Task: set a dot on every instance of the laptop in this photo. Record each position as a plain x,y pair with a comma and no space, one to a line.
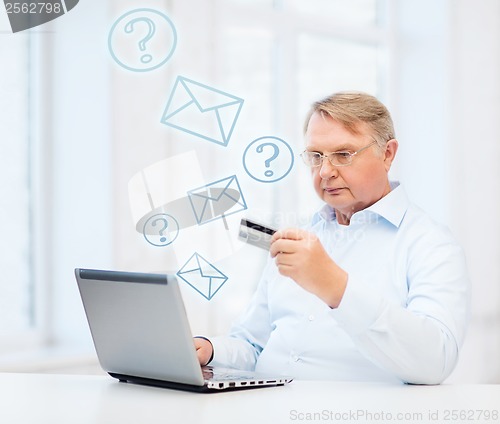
141,334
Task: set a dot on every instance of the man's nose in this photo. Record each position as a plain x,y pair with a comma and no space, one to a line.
327,170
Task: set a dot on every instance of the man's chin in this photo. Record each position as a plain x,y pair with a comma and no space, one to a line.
337,199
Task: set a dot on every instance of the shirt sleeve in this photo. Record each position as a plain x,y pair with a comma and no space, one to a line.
248,336
419,342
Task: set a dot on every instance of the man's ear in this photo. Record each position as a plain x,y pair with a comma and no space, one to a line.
391,148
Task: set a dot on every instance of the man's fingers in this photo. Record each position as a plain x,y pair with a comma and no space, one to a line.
290,240
289,233
282,246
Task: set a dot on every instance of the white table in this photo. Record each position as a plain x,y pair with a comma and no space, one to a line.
74,399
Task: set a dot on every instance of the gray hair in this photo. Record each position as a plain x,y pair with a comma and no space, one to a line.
351,108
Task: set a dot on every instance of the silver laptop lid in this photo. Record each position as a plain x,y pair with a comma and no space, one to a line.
139,325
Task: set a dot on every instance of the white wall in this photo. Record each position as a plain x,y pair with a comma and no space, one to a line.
446,97
475,156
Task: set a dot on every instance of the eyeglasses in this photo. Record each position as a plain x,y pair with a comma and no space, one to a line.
340,158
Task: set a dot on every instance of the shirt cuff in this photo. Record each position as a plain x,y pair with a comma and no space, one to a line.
220,351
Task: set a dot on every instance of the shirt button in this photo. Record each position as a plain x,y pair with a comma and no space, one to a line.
295,358
311,317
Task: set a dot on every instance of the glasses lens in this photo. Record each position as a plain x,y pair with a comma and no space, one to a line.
341,158
311,158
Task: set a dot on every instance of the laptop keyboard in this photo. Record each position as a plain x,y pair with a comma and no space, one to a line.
226,375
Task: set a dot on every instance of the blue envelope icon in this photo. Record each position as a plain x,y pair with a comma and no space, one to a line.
202,276
217,200
202,111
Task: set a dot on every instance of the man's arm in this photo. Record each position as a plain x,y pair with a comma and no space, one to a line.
248,335
419,341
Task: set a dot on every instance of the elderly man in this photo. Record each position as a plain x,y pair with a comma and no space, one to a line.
373,289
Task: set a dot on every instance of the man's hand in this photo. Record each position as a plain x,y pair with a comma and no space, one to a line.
301,256
204,350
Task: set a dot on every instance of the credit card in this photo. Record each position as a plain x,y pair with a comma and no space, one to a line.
255,234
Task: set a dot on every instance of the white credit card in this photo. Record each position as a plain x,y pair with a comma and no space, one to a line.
255,234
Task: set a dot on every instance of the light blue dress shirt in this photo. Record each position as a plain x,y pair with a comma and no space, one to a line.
402,318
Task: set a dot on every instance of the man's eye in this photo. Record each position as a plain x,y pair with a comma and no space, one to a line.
343,155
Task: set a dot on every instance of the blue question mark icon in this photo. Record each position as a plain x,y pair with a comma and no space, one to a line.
142,39
130,27
163,239
265,166
155,226
267,162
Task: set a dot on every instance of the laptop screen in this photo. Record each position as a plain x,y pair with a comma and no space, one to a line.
139,325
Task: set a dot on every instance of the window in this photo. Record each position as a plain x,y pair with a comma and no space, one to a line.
352,12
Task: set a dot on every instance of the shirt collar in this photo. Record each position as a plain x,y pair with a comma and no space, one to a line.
392,207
